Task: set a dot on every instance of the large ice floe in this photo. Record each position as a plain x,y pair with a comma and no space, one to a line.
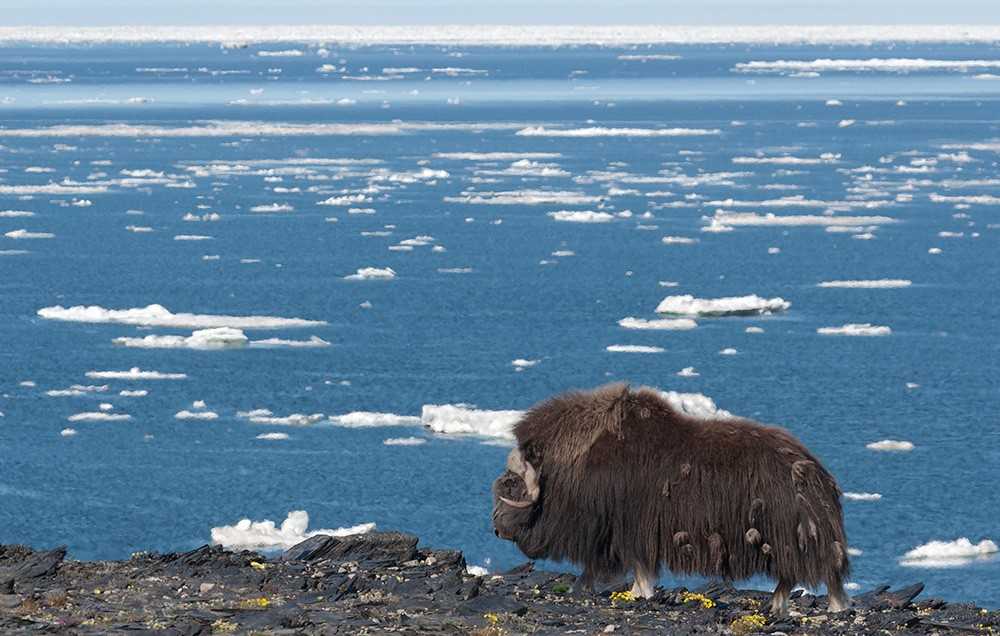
855,329
135,373
509,35
160,316
368,419
464,420
722,219
216,338
594,131
880,283
582,216
372,273
265,535
752,305
99,416
885,65
621,348
941,554
863,496
265,416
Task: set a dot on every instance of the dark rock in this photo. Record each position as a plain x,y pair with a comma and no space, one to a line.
375,548
7,586
902,597
524,568
10,601
39,564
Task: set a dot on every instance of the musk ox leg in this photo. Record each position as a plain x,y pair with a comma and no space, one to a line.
839,600
779,601
645,582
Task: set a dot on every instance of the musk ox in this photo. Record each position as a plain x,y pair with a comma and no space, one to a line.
616,479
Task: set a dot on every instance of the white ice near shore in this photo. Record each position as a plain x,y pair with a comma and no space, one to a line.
948,553
368,419
881,283
620,348
695,404
890,446
688,305
160,316
135,373
273,437
460,419
372,273
314,342
262,535
855,329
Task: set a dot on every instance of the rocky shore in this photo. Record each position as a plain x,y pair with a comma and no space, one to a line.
382,583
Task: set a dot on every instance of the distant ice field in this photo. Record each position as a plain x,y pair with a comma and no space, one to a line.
402,248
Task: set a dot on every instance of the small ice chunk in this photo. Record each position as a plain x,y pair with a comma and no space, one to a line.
948,553
404,441
890,446
855,329
634,349
688,372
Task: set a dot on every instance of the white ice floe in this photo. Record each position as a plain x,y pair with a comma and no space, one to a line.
825,158
404,441
464,420
666,324
160,316
890,445
196,415
14,214
372,273
272,207
881,283
678,240
525,197
25,234
314,342
633,349
273,436
263,535
688,372
752,219
99,416
688,305
522,363
862,496
476,570
948,553
496,156
594,131
855,329
135,374
728,351
192,237
885,65
282,53
264,416
77,390
68,432
369,419
215,338
583,216
695,405
507,35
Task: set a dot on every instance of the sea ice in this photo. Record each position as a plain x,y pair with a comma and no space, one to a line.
160,316
688,305
263,535
855,329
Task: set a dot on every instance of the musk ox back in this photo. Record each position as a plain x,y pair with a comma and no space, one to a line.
616,480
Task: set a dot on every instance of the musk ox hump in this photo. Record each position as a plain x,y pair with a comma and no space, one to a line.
564,428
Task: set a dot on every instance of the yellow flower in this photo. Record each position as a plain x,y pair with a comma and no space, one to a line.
256,602
622,597
706,602
492,618
748,624
257,565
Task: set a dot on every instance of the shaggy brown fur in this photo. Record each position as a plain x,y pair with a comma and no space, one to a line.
627,483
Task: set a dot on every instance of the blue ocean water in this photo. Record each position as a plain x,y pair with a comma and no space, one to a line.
91,144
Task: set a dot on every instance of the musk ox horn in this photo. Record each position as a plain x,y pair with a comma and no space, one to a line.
520,466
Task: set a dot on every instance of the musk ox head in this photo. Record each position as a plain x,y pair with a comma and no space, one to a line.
516,494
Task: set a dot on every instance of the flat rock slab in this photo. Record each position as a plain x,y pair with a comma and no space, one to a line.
382,583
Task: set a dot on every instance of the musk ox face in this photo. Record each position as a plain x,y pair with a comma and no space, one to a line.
516,499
